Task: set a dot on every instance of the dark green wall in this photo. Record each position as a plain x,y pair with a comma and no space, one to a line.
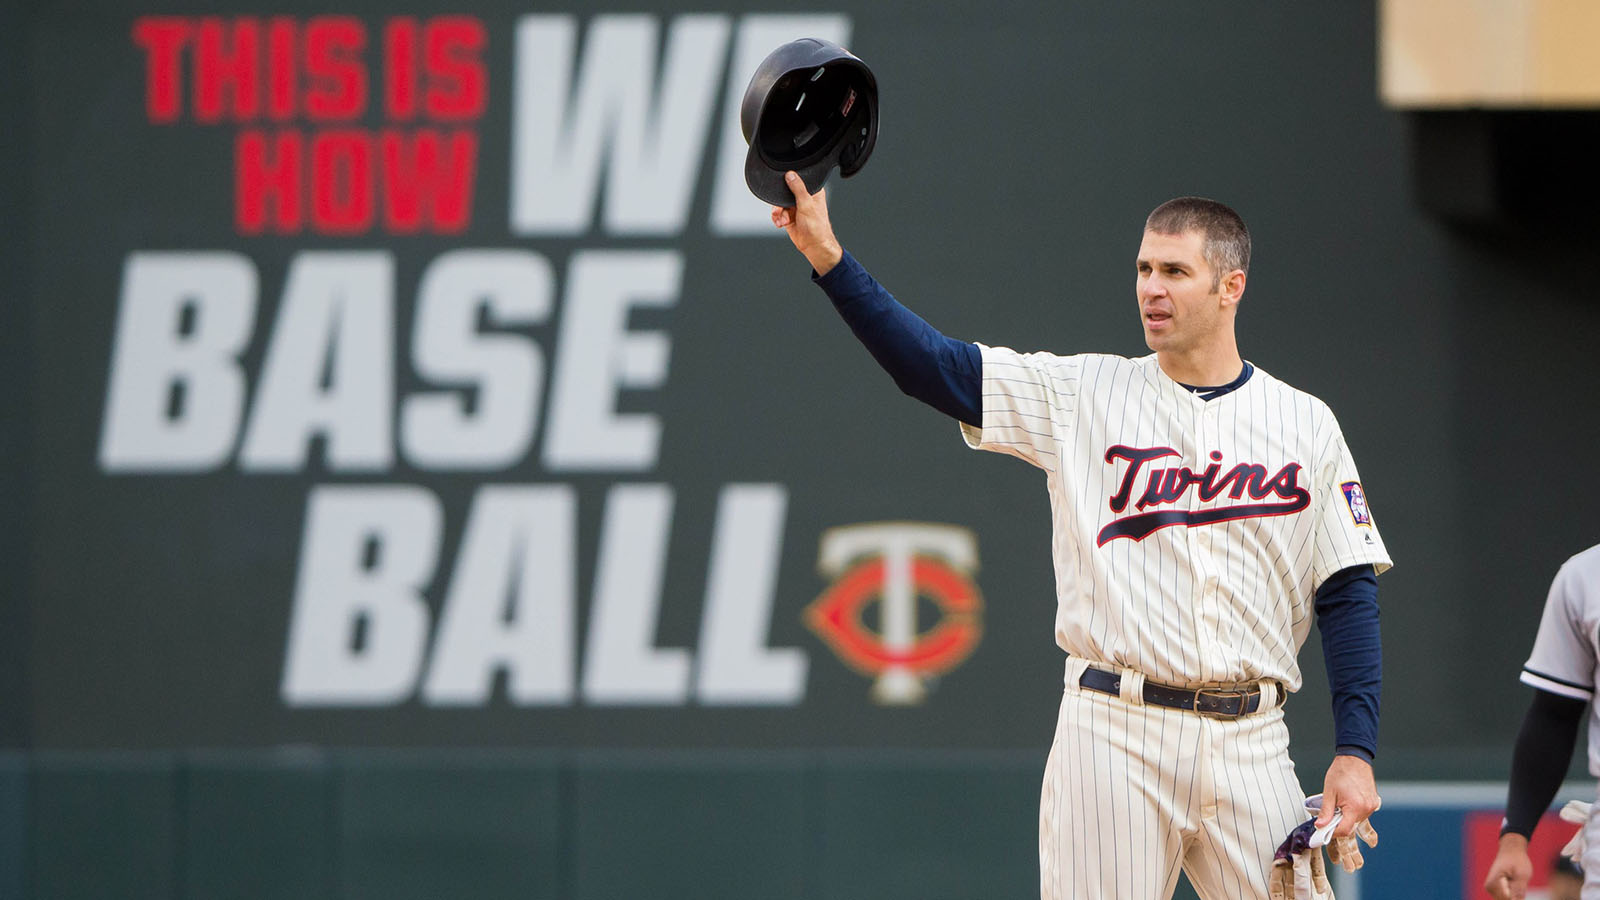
16,400
1020,149
146,615
541,825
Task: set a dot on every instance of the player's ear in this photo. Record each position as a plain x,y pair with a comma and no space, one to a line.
1232,287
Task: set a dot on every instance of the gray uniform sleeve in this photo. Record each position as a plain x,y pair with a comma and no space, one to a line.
1563,658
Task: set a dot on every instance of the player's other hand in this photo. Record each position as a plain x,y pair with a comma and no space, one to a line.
808,226
1509,873
1348,786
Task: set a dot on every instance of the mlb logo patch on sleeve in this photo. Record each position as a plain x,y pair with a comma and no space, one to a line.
1354,496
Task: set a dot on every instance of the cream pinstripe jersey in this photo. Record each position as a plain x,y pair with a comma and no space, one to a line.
1564,654
1189,536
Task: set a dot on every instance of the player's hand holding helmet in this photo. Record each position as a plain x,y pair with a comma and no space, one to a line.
808,225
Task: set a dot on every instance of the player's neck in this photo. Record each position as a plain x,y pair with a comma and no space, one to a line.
1207,366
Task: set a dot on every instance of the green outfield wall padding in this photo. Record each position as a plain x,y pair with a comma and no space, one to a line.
13,823
702,832
259,831
934,832
101,827
452,827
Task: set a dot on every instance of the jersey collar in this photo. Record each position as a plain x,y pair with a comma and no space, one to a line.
1201,394
1215,391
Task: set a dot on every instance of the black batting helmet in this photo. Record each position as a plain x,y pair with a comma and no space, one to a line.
810,106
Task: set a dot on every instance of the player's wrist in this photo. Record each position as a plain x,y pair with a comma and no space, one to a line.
825,256
1513,842
1356,751
1350,763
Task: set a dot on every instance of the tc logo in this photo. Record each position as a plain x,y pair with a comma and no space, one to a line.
896,564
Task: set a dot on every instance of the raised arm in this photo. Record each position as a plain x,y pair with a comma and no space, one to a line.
808,226
942,372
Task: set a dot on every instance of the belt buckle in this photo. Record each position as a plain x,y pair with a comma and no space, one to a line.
1243,698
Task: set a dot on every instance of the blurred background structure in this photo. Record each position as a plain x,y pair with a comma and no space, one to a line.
425,473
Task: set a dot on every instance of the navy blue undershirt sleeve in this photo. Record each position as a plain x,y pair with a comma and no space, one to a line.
1347,617
942,372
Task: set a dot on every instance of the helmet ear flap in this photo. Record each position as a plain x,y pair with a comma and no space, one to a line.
810,107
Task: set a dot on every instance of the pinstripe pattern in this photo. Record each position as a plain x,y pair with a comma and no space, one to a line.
1133,793
1223,603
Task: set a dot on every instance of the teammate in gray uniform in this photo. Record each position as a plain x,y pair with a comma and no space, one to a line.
1562,669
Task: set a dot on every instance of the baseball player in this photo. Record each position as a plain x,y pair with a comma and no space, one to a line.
1202,511
1562,670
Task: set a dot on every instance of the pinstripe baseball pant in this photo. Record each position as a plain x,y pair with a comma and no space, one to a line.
1134,792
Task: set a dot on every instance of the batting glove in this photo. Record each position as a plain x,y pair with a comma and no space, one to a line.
1303,879
1346,851
1576,812
1297,869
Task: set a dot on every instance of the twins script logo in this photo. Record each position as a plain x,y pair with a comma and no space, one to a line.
895,564
1170,485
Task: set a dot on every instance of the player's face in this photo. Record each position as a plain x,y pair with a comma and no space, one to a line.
1177,305
1564,887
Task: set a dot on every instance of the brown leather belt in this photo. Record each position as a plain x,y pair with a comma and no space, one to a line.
1219,703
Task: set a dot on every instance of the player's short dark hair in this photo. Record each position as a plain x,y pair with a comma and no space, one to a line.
1226,243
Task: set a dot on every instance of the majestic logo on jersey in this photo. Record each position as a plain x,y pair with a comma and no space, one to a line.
894,565
1357,499
1171,485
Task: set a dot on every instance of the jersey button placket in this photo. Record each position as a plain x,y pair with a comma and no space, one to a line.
1200,543
1206,438
1191,499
